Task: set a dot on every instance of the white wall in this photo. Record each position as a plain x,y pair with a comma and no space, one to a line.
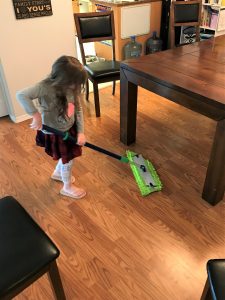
28,47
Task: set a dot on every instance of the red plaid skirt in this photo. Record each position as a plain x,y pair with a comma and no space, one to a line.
57,148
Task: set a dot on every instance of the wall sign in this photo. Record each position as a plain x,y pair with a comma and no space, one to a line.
31,9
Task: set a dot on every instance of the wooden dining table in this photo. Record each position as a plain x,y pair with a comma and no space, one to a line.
192,76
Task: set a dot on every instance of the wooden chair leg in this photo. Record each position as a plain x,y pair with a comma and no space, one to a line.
114,88
96,98
56,283
87,90
197,34
172,38
206,294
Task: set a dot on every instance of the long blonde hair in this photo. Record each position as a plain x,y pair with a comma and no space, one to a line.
66,72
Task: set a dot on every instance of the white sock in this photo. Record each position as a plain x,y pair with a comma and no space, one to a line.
58,167
66,172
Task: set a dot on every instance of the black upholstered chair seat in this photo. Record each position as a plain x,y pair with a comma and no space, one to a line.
25,249
103,68
216,275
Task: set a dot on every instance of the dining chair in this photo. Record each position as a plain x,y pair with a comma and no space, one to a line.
26,252
214,288
185,13
98,27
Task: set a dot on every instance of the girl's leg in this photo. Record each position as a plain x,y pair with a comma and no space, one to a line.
68,188
57,174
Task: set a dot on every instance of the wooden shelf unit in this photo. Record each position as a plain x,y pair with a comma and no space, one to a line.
213,16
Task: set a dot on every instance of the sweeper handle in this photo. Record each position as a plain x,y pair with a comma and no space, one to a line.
67,136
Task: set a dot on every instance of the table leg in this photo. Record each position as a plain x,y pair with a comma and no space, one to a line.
214,185
128,109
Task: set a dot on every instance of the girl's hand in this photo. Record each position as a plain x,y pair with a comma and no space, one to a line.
37,122
81,140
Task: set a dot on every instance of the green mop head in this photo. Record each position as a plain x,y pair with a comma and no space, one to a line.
145,174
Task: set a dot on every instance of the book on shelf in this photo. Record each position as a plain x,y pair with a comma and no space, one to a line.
210,17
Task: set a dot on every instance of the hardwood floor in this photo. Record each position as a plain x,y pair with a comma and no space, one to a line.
115,244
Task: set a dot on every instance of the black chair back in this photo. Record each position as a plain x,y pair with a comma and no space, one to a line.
96,27
186,13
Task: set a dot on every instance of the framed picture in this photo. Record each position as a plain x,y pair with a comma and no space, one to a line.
31,9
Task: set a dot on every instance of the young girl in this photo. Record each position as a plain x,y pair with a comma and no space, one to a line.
60,108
